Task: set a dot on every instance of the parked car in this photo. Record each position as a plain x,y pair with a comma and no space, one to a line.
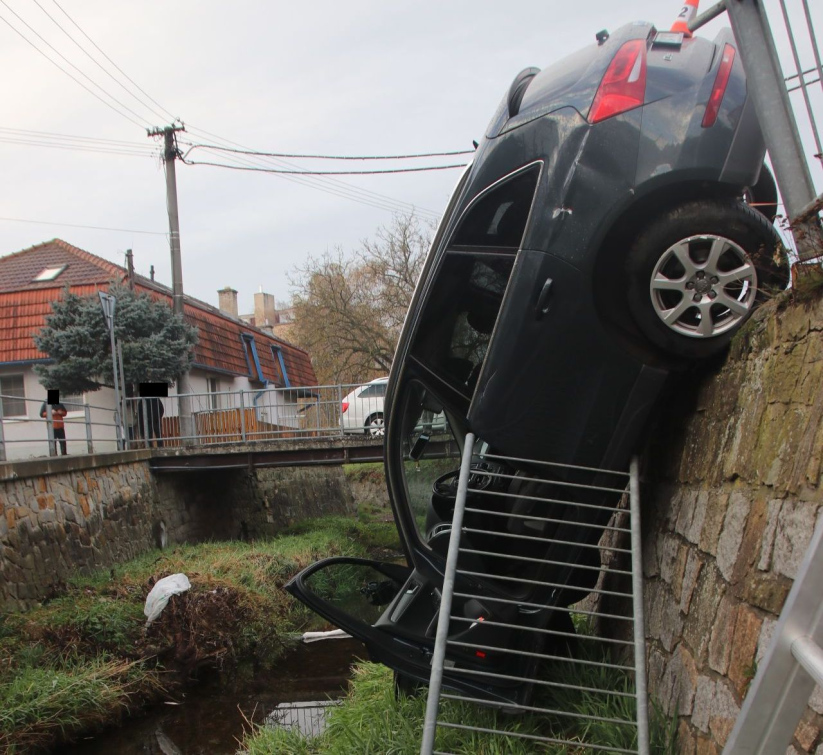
614,225
362,409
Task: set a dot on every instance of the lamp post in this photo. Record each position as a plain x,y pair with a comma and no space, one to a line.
107,301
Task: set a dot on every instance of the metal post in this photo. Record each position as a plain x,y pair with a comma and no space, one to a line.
242,418
50,432
123,430
768,91
442,636
639,618
2,437
144,410
340,408
87,413
108,302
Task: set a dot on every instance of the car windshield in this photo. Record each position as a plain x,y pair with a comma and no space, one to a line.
429,450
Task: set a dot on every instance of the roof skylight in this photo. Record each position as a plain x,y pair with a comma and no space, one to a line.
50,273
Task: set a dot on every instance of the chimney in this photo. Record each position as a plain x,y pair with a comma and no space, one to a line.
228,301
264,316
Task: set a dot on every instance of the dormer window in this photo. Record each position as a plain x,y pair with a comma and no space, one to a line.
49,274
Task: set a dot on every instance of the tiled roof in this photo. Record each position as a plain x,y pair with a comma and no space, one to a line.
24,306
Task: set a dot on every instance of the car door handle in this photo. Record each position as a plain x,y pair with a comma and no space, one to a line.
543,300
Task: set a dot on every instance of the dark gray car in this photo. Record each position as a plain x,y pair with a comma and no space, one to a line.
614,224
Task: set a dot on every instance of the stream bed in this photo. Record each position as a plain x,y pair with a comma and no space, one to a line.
210,720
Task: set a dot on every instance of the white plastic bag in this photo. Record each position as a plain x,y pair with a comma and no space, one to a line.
159,596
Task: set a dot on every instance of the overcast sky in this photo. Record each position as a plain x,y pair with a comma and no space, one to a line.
323,78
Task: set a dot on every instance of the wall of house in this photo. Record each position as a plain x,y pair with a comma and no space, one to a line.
60,516
732,494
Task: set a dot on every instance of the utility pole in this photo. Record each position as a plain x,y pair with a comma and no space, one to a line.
170,154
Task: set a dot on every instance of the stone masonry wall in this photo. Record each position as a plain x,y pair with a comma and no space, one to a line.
76,514
732,495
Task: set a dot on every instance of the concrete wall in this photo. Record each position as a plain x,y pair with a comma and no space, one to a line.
732,495
65,515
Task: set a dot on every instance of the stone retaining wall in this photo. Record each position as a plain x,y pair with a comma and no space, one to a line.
732,495
66,515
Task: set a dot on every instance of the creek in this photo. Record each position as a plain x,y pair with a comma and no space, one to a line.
210,719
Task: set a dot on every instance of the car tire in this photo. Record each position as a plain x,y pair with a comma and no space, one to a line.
763,195
696,273
374,425
407,686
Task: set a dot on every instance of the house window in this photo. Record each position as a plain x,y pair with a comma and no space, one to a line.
213,389
72,401
49,274
281,379
252,360
13,393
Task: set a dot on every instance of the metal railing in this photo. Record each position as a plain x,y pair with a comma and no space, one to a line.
247,416
781,81
545,654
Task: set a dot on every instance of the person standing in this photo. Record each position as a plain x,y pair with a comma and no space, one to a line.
58,412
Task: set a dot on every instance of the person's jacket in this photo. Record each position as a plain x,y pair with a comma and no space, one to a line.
58,411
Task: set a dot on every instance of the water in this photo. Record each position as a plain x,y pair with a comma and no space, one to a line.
209,720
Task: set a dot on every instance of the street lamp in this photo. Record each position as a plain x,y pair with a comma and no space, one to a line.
107,302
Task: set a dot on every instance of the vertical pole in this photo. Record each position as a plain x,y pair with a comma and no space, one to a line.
169,158
242,418
87,413
774,111
2,437
639,624
50,432
118,420
340,408
123,415
145,412
442,635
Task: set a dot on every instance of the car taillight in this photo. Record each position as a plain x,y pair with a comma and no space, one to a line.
624,84
345,406
719,88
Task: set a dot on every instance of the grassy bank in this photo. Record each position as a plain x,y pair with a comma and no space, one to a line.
85,658
371,721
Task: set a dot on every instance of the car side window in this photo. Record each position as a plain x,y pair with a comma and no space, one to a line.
375,390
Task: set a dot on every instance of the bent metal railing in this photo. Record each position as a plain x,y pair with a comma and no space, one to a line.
229,417
620,653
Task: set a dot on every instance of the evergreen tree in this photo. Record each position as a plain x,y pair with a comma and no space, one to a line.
157,344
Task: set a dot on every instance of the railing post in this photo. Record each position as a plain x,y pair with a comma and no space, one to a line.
340,408
774,111
146,433
87,413
2,437
50,432
242,418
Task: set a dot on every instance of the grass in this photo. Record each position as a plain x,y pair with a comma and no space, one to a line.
84,659
371,721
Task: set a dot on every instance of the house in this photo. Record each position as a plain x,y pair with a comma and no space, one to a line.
230,356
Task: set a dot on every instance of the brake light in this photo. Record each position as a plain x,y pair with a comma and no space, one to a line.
719,88
624,84
345,406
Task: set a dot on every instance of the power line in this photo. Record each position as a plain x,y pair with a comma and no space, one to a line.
331,157
72,137
94,60
122,72
75,147
53,62
323,172
328,185
77,225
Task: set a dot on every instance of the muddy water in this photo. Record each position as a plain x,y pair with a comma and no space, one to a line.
209,720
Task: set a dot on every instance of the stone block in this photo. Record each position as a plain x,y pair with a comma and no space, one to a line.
707,596
678,684
703,700
706,746
690,576
725,711
742,664
795,527
667,556
806,733
686,741
731,537
769,530
816,700
717,508
720,644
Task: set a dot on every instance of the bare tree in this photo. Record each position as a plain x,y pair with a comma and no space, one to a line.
349,308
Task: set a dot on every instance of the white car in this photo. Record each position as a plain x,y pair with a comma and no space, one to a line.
362,409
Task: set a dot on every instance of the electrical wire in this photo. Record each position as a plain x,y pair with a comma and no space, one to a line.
120,70
75,147
185,160
332,157
28,133
77,225
328,185
95,61
75,79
